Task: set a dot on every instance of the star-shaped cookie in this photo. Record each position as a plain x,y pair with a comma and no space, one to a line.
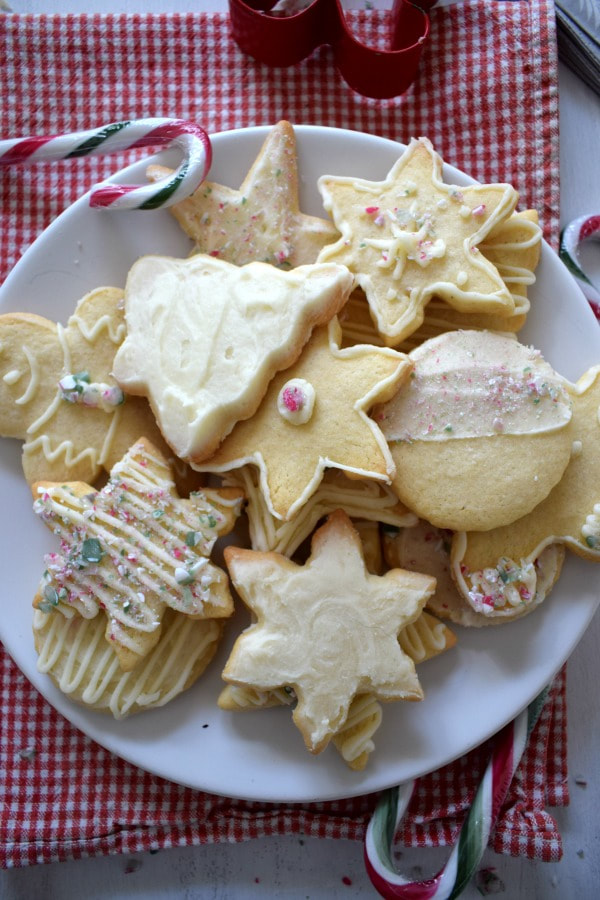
313,416
498,572
134,548
58,395
412,236
328,629
261,220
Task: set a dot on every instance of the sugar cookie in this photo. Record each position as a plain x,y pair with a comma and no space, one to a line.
204,338
261,220
424,548
73,652
480,433
498,572
57,393
133,549
292,455
328,629
411,237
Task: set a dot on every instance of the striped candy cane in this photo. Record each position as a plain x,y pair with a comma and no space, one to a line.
189,137
575,233
475,833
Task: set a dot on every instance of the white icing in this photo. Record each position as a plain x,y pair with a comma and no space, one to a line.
34,377
472,384
591,530
204,337
296,401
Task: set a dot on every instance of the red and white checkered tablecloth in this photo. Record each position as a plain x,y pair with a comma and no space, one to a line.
486,95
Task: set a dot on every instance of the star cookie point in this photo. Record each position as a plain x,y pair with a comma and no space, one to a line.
261,220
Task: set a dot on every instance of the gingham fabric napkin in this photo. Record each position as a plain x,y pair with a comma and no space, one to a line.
58,74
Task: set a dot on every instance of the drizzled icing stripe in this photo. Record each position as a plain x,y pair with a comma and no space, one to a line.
363,499
86,667
130,549
355,738
34,379
116,330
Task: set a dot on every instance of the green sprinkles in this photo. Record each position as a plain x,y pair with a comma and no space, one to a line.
91,551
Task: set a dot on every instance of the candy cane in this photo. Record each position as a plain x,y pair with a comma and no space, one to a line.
189,137
574,234
474,834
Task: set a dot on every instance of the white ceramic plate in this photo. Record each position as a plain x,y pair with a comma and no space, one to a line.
471,691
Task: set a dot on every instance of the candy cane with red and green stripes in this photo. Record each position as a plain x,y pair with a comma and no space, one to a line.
118,136
573,235
474,835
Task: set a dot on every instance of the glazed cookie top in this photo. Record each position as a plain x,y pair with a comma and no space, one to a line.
205,337
327,629
476,384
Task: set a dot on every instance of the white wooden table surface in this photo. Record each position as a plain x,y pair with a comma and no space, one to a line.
298,868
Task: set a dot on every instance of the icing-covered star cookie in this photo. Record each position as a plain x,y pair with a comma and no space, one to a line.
412,236
328,630
498,572
480,433
133,549
205,337
261,220
58,395
314,416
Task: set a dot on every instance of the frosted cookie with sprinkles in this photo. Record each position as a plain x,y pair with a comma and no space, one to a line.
205,337
412,237
133,549
261,220
424,548
498,572
314,416
328,630
480,433
58,395
86,668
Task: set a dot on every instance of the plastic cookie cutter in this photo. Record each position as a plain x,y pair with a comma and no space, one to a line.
466,854
271,35
585,228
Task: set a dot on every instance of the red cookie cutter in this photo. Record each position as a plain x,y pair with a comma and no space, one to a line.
284,40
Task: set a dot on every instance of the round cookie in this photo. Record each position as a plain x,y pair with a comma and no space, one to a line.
480,433
73,652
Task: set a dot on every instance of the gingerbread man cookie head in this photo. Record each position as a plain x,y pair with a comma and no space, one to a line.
58,395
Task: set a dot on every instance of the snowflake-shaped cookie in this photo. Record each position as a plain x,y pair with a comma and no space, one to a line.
328,629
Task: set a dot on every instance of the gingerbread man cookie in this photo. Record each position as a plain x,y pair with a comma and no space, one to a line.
58,395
